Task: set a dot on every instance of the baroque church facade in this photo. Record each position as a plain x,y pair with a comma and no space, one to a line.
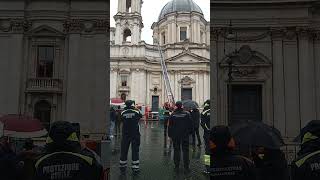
265,62
53,61
184,37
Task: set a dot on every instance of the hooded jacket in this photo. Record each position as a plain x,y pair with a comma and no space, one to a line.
224,164
307,165
63,159
180,124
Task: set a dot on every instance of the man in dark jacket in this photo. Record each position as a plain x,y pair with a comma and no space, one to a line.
8,161
224,164
205,124
130,135
113,117
166,115
271,164
180,128
307,165
63,159
195,115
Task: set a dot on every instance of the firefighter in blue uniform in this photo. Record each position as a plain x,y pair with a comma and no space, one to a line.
63,158
205,124
130,135
180,129
307,164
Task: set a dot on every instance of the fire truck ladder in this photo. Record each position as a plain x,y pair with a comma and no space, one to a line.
166,78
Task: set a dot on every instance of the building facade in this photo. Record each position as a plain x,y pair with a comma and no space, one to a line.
184,37
271,49
53,61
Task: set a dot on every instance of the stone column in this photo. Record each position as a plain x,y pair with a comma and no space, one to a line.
306,77
291,84
118,35
316,50
278,81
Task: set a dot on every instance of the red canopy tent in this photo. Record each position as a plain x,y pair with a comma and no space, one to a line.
22,126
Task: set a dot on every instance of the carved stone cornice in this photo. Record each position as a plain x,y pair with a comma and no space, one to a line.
15,25
86,26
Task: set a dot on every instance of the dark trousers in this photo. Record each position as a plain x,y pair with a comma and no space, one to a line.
194,134
206,135
178,144
165,126
135,144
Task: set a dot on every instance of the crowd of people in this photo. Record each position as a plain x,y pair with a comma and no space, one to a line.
223,160
62,158
65,158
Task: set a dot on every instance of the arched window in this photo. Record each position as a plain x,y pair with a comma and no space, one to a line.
127,35
42,111
123,96
128,6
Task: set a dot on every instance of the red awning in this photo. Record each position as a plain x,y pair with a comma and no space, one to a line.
22,126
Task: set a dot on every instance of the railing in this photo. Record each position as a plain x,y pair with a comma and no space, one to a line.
291,150
124,88
44,84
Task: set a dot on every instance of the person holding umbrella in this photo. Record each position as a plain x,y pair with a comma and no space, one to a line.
307,165
265,141
223,162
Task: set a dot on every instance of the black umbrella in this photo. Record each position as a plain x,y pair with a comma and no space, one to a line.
312,127
189,104
251,133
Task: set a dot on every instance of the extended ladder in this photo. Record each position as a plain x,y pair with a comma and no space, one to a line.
166,78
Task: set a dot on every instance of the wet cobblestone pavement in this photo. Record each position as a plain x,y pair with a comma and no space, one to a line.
156,158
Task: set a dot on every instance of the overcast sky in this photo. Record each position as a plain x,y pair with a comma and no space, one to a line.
150,12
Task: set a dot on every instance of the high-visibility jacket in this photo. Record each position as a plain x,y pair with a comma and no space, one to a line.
67,166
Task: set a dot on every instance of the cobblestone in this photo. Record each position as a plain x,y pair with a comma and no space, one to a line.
156,158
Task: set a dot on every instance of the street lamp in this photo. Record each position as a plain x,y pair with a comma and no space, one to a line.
231,35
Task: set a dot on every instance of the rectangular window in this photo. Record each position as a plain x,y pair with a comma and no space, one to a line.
45,61
183,33
124,80
163,38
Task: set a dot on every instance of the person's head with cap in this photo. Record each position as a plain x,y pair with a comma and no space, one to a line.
179,105
221,139
28,144
62,137
130,104
206,104
311,132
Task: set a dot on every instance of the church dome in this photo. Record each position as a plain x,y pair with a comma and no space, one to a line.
179,6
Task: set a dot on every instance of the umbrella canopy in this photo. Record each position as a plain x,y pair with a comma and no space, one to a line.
21,126
257,134
313,127
117,102
189,104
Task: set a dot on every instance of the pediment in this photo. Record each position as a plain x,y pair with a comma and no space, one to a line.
45,30
246,57
187,57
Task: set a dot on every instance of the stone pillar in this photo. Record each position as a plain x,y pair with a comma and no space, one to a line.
307,79
316,50
278,81
118,35
291,84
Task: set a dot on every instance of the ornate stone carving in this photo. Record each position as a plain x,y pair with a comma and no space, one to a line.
87,26
245,56
186,81
15,25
